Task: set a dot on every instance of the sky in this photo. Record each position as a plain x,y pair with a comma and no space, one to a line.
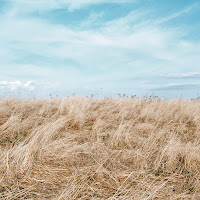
100,47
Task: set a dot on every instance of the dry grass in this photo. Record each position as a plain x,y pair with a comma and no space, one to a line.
83,148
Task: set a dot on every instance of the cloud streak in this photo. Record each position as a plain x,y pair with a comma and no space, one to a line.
178,87
46,5
182,75
178,13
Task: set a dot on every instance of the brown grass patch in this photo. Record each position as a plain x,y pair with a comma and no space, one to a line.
83,148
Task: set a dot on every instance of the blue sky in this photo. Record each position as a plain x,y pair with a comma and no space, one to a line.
102,47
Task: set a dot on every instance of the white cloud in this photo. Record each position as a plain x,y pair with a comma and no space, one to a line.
10,85
26,88
29,85
16,85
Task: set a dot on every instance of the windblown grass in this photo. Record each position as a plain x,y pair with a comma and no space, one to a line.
83,148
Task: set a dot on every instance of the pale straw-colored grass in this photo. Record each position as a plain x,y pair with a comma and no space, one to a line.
84,148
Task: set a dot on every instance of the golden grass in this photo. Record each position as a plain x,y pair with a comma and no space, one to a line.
83,148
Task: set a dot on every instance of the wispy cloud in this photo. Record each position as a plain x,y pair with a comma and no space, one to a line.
182,75
177,87
177,14
57,4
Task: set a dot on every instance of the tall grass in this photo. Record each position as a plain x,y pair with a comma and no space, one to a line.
84,148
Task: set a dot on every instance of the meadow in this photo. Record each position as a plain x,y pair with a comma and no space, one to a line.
108,148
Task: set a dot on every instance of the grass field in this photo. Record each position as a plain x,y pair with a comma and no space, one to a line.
84,148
